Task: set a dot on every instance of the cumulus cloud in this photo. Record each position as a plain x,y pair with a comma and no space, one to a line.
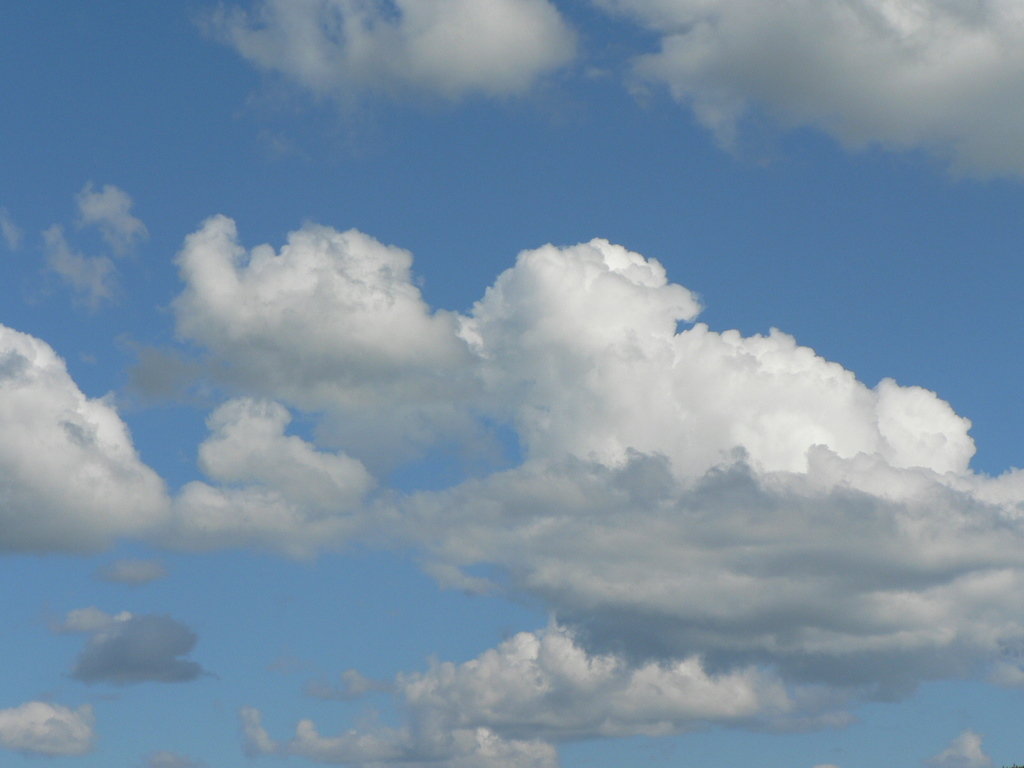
10,231
109,210
125,649
278,491
447,47
964,752
402,748
333,323
47,729
70,479
132,572
686,496
906,74
513,703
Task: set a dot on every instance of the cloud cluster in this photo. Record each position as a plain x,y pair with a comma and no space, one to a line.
446,47
537,689
70,479
47,729
905,74
708,507
126,649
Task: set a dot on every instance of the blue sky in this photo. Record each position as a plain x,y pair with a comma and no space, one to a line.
454,471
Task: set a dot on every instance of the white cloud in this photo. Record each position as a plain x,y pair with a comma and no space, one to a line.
448,47
47,729
401,748
281,492
132,572
511,705
126,649
109,210
70,478
964,752
91,277
907,74
684,493
332,323
10,231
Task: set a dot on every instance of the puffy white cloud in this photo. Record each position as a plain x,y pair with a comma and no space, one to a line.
280,491
92,278
10,231
47,729
132,572
580,346
684,493
70,479
931,74
401,748
511,705
126,649
447,47
332,323
109,210
964,752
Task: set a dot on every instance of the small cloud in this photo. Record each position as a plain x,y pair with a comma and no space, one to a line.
109,210
125,649
47,729
132,572
167,759
353,686
91,277
964,752
11,232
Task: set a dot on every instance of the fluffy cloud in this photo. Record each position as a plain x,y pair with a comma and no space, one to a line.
110,211
70,479
132,572
964,752
402,748
125,649
448,47
281,492
907,74
47,729
686,496
511,704
332,323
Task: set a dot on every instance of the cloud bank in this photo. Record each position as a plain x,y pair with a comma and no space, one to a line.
451,48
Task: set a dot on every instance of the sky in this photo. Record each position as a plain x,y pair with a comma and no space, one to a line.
511,383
